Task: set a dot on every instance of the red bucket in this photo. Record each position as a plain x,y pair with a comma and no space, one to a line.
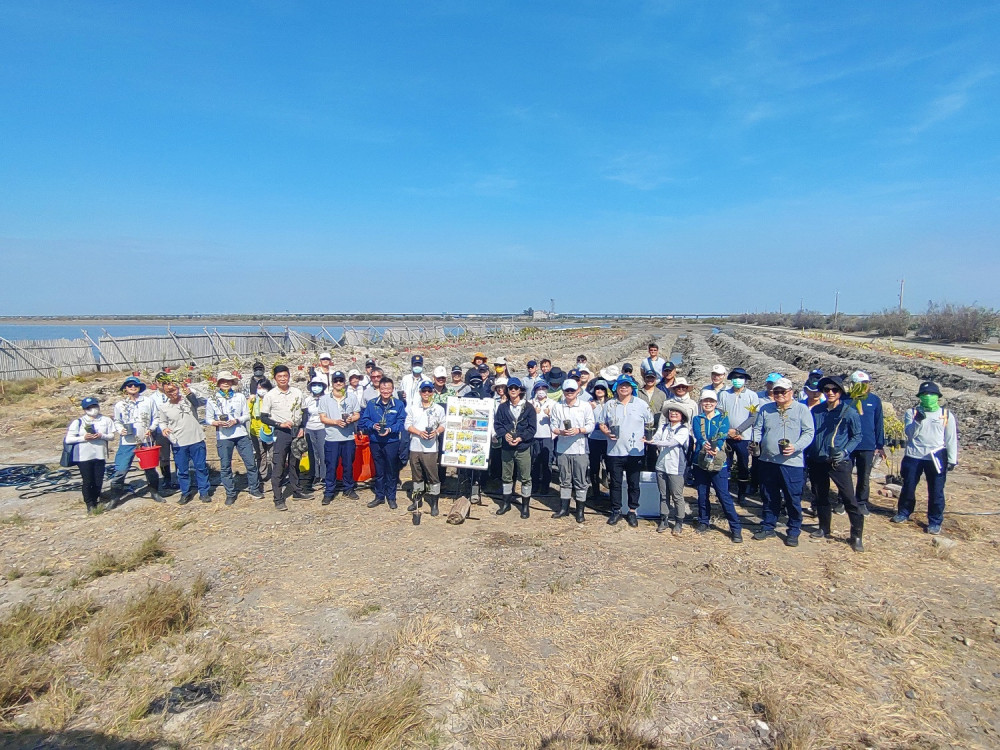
149,456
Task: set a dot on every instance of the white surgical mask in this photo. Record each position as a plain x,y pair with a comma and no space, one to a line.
261,392
93,411
317,389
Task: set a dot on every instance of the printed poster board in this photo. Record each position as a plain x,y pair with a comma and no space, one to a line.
467,431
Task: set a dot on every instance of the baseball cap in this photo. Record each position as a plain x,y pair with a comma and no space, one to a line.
668,366
325,355
483,368
532,363
681,381
353,374
719,370
541,384
499,382
929,388
500,361
338,375
710,394
440,372
318,381
369,362
456,368
570,385
416,359
773,377
627,367
425,385
858,376
89,402
783,383
514,383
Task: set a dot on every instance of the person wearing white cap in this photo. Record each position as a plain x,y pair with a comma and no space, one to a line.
711,470
572,422
740,405
680,395
315,429
500,369
441,390
325,370
869,408
718,383
227,410
782,430
355,385
425,423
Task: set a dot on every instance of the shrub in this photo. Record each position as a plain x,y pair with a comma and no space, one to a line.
808,319
966,323
890,322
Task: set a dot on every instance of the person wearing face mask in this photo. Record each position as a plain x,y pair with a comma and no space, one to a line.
740,405
261,435
500,368
325,370
541,444
228,411
258,377
869,408
339,412
89,436
409,385
132,416
931,451
315,429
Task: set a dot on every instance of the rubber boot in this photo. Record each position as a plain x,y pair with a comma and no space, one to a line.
432,500
663,525
563,508
505,504
414,501
825,516
580,506
525,507
857,531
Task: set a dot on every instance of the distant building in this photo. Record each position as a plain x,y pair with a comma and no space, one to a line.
541,315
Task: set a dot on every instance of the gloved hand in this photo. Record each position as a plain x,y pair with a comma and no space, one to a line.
919,416
838,457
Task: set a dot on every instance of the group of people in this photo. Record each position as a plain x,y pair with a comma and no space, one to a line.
581,425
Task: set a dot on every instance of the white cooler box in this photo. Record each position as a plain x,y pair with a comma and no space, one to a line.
649,496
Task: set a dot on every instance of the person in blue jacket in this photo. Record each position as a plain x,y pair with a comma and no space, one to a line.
384,418
710,429
869,407
828,457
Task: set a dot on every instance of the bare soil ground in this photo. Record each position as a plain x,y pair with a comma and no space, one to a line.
346,627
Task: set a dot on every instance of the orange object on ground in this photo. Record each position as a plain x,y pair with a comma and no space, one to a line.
364,464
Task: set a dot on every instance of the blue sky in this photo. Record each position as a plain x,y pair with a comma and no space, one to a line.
455,156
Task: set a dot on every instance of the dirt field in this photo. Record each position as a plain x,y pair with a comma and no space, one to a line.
346,627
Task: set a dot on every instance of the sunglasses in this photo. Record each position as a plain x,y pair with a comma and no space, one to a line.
831,390
779,391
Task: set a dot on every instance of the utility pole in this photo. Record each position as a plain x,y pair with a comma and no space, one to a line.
902,282
836,308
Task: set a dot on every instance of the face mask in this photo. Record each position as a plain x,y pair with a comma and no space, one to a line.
929,402
417,370
316,389
738,383
258,373
261,392
93,411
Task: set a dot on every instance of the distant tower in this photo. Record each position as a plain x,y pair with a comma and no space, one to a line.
552,306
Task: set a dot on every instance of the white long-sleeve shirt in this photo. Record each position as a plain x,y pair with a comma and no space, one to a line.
220,407
935,432
580,416
90,450
672,441
133,418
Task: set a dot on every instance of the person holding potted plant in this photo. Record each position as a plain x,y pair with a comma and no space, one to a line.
227,410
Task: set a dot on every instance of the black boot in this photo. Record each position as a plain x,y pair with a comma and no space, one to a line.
505,504
414,502
563,508
525,507
856,544
663,525
432,500
825,516
579,511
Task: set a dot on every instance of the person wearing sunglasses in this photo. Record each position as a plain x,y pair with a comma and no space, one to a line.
782,430
828,458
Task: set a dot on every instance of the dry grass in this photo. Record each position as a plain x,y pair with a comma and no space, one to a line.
125,630
61,703
108,563
362,611
376,721
14,519
25,672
